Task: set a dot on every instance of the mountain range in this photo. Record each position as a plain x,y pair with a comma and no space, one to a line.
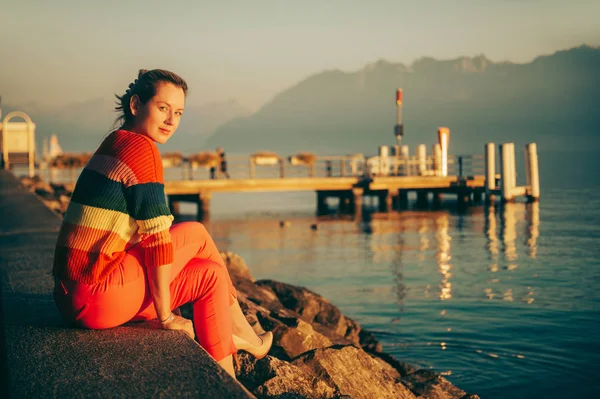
552,100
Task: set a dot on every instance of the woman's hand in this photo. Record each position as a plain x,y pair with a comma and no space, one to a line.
179,323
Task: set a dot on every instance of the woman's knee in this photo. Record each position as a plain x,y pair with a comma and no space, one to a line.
196,228
213,273
216,270
191,230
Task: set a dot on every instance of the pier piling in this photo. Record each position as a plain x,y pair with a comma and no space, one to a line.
443,139
438,199
422,199
490,172
404,151
322,207
385,201
203,203
508,180
422,159
463,198
402,199
533,177
437,160
357,194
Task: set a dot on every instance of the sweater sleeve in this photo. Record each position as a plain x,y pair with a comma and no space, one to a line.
146,203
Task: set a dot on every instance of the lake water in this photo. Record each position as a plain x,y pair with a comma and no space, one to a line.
503,301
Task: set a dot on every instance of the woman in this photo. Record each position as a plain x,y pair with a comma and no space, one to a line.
118,258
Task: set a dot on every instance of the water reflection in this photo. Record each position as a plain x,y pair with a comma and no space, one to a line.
443,256
420,251
421,235
532,231
505,250
510,216
493,244
509,234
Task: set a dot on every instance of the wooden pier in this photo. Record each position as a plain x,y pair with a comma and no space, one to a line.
392,188
352,181
391,192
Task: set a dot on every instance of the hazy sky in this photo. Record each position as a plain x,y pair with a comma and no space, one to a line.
57,51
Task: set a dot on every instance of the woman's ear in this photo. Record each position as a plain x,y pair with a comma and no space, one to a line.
134,104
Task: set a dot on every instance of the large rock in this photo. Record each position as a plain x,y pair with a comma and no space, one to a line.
273,378
292,336
262,296
351,371
322,315
391,365
430,385
309,305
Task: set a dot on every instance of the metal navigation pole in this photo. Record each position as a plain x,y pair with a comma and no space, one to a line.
399,128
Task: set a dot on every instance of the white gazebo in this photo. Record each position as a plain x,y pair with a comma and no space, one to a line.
18,141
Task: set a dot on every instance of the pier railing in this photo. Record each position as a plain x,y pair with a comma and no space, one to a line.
241,167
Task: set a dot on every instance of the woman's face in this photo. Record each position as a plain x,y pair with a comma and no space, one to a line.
160,116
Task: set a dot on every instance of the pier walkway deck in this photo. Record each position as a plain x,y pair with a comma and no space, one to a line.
391,191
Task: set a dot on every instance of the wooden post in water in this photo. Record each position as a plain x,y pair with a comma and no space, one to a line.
345,203
422,199
385,201
437,160
507,185
405,156
533,175
490,171
395,199
463,198
402,199
281,168
438,199
513,169
396,159
384,160
477,194
357,194
422,159
251,168
443,140
322,207
203,203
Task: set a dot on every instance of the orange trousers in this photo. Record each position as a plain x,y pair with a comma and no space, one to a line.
199,276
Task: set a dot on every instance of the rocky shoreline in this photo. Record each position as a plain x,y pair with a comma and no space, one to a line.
317,351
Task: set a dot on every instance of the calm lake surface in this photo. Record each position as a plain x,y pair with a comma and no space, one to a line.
503,301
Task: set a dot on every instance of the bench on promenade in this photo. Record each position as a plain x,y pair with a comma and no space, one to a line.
42,357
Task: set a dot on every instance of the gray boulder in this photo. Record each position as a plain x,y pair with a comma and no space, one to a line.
274,378
351,371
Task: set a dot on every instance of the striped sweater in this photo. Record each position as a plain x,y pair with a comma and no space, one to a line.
118,201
